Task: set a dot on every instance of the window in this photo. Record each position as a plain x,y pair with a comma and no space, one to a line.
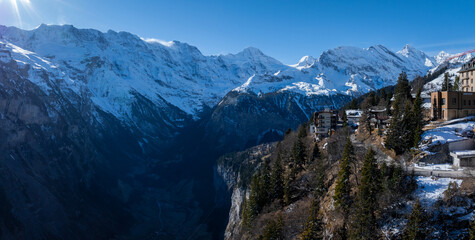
464,102
472,89
469,102
454,101
471,80
443,101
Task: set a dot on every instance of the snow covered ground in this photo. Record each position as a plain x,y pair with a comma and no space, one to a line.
438,167
450,132
431,189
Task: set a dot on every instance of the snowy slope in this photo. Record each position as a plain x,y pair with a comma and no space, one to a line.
114,67
347,70
452,68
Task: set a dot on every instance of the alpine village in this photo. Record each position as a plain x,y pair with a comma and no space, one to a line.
397,163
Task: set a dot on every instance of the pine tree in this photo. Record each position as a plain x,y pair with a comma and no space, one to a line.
406,137
395,138
365,124
418,118
273,230
264,184
277,180
343,188
402,90
246,213
446,85
254,196
319,170
316,152
401,131
457,84
414,227
353,104
287,190
384,95
302,131
364,225
298,153
313,227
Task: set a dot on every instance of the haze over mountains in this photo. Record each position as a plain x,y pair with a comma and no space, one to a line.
112,129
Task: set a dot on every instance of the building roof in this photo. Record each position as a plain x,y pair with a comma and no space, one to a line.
468,66
465,153
353,113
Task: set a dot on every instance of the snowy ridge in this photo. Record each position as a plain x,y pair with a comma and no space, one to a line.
114,67
452,68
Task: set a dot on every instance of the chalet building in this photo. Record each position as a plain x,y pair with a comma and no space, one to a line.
378,117
353,116
448,105
325,122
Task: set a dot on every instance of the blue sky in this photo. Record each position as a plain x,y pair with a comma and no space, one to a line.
285,30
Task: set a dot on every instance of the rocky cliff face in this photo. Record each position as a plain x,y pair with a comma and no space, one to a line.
235,168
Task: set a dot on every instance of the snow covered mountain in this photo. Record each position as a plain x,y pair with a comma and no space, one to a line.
450,67
112,134
114,66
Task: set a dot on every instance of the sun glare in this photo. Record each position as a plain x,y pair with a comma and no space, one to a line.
26,4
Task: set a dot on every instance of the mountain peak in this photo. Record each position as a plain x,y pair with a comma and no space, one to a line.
409,50
305,62
251,51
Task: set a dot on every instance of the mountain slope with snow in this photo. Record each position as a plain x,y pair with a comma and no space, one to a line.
112,66
111,134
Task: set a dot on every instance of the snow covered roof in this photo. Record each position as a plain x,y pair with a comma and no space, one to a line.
353,113
465,153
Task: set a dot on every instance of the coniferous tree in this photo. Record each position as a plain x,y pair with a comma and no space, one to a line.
364,225
353,104
414,227
401,95
287,190
418,118
277,180
246,213
273,230
255,196
343,188
264,184
319,170
402,90
364,123
400,135
313,227
302,131
316,152
298,153
446,85
406,136
384,95
457,84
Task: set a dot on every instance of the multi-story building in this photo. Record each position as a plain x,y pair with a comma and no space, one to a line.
467,76
448,105
325,121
